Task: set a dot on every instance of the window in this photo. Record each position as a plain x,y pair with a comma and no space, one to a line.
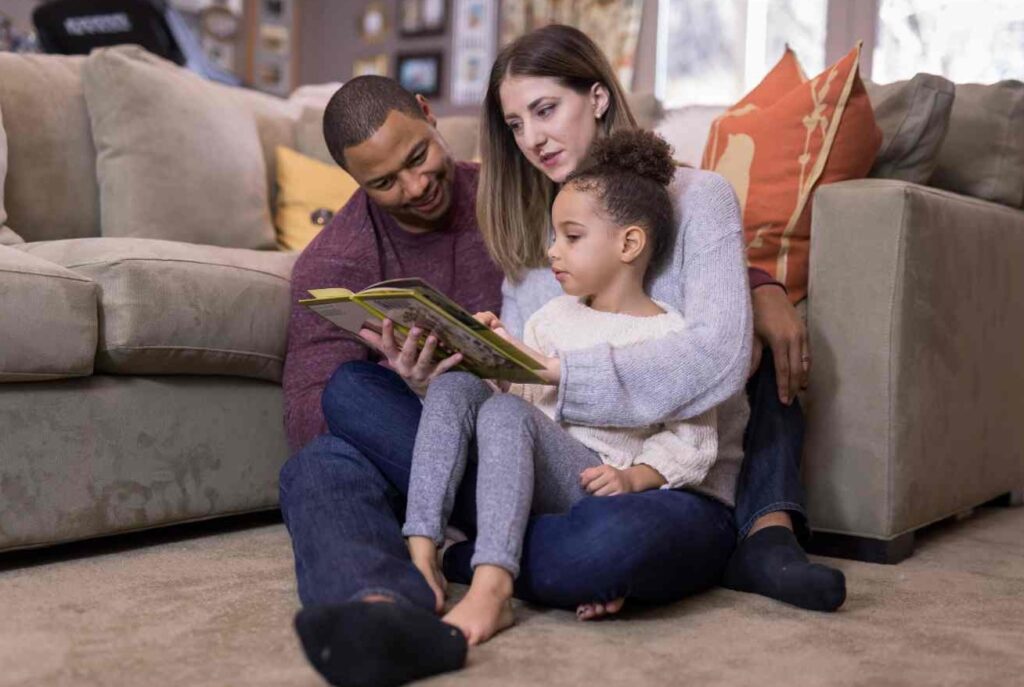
714,51
954,38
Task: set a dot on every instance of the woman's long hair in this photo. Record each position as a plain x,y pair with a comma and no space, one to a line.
514,198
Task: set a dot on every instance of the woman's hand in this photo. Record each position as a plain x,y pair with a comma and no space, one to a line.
604,480
552,370
417,369
779,327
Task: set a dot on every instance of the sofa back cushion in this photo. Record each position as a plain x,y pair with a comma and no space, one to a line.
914,117
177,158
983,154
276,121
51,189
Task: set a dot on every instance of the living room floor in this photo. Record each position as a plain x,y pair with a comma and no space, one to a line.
212,604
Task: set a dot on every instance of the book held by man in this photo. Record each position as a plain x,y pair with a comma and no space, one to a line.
414,302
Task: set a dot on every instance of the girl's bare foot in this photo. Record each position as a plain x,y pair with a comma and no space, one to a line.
599,610
486,609
423,552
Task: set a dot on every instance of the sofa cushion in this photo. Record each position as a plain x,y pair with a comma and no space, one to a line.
276,119
48,319
51,190
177,157
780,142
309,135
686,130
309,193
180,308
983,154
913,116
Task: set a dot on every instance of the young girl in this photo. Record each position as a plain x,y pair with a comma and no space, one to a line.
613,221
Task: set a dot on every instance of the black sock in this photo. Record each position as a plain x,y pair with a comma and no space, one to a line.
378,644
771,562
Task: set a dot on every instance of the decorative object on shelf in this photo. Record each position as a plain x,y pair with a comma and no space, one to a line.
473,51
420,73
613,24
273,60
218,21
422,17
373,23
371,66
14,40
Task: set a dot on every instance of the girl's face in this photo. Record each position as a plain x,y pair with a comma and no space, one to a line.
552,125
587,253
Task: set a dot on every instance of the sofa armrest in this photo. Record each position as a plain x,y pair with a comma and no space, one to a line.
48,319
916,318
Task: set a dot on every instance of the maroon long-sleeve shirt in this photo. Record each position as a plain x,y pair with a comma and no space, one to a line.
364,245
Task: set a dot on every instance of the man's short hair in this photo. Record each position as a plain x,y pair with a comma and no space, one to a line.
359,108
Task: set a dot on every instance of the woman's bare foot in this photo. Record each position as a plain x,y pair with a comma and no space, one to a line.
486,609
423,552
598,609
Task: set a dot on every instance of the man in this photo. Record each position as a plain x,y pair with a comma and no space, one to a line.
368,614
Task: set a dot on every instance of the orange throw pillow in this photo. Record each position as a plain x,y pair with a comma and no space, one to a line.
779,143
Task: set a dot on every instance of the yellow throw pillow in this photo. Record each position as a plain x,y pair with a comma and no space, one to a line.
309,193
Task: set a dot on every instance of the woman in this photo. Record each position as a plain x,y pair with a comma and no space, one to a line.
551,94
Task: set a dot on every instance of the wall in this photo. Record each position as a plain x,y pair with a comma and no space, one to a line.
331,43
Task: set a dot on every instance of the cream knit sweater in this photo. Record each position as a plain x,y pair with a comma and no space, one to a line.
685,453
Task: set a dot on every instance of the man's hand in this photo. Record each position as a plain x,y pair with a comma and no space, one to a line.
778,326
552,371
416,368
604,480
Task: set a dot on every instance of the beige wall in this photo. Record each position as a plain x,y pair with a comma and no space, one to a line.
20,12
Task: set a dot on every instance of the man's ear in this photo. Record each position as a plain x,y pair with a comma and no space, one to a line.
599,98
634,240
425,106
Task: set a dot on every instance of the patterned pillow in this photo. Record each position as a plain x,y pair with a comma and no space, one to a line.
780,142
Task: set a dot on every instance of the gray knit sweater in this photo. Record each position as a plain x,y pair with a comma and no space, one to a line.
705,279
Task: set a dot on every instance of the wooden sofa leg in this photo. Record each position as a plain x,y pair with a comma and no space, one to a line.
862,548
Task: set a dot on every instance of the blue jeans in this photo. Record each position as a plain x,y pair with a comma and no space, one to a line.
769,479
343,500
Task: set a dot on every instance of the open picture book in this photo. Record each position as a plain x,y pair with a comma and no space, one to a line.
414,302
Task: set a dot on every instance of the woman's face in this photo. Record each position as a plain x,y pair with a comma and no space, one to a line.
552,125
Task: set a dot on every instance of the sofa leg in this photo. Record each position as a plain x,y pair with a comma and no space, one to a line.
1010,498
862,548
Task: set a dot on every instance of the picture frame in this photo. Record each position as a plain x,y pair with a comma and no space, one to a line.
370,66
422,17
420,72
373,22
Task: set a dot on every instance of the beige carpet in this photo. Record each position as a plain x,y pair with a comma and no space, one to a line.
215,609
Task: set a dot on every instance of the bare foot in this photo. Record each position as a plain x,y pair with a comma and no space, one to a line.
598,609
424,556
486,609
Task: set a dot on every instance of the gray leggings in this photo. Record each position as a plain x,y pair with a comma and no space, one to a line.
528,464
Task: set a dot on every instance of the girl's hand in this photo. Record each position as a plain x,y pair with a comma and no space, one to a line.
604,480
778,325
417,369
551,373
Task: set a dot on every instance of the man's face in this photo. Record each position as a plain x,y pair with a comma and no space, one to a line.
405,168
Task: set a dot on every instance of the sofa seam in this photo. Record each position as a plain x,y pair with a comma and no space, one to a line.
897,287
193,348
191,262
69,277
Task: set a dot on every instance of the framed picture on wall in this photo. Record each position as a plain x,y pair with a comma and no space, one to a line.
422,17
420,73
371,66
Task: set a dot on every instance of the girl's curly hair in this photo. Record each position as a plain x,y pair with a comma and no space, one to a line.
629,171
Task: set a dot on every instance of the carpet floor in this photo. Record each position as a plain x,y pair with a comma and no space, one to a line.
213,606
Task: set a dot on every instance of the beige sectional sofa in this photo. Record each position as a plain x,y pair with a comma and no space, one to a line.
143,312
